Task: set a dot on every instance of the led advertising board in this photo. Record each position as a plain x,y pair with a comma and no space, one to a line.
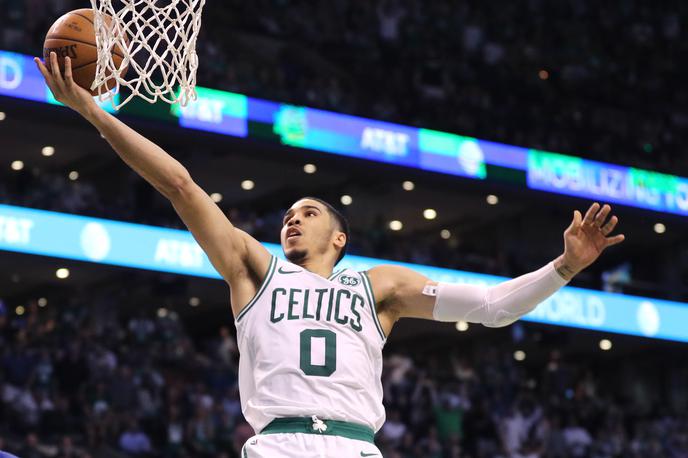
60,235
237,115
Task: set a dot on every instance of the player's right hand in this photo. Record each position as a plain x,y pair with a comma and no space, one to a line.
64,89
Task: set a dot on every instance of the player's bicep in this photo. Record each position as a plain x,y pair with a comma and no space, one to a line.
231,251
400,290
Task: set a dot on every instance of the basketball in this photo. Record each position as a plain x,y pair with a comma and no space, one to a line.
73,35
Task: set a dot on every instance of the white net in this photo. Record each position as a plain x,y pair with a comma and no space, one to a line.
155,41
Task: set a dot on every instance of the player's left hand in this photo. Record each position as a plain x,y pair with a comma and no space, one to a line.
586,238
63,87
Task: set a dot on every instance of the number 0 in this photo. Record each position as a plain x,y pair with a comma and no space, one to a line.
307,366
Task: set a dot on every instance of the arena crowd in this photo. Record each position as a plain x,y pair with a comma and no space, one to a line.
575,77
106,372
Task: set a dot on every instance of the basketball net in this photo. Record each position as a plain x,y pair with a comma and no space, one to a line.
157,39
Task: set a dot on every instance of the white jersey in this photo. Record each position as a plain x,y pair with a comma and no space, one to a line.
311,346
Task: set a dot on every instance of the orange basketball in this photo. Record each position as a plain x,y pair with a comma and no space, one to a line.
74,35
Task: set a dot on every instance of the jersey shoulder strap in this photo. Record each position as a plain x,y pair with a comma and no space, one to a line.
261,289
367,289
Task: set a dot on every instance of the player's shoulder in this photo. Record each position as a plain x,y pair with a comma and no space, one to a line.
385,278
388,271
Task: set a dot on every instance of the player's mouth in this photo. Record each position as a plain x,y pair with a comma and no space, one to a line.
293,233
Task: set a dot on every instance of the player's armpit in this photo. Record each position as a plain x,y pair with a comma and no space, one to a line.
234,253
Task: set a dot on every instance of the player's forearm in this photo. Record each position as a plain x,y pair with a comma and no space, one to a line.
498,305
147,159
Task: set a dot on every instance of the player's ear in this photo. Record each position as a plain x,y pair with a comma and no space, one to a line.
339,238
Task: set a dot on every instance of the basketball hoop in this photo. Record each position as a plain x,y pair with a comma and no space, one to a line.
158,41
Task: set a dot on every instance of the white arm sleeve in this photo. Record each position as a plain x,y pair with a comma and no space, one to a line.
498,305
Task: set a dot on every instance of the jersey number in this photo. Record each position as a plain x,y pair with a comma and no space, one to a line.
330,365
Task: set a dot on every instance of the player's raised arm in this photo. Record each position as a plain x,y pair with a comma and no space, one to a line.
234,253
405,293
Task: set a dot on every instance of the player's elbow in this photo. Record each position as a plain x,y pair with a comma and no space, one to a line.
177,185
500,317
499,324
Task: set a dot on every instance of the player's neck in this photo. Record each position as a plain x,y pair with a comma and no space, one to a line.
320,267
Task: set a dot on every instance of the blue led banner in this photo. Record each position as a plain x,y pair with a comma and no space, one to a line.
96,240
346,135
241,116
372,140
20,78
612,183
214,111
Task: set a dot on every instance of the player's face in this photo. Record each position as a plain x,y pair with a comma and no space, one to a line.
307,230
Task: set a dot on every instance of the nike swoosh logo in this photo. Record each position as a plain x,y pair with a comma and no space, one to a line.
368,454
287,271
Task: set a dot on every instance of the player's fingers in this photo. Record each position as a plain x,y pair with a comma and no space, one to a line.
55,69
590,214
602,215
41,68
614,240
54,66
46,74
577,219
611,224
68,72
575,223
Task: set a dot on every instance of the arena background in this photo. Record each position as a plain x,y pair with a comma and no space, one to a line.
135,356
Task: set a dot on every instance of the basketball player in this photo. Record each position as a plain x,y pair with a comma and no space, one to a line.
310,336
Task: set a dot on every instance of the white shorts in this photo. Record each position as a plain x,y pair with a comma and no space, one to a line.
301,445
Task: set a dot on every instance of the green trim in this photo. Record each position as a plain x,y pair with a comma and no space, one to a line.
334,428
244,453
373,305
261,290
335,274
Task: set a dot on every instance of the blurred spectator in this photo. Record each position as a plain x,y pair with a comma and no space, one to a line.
134,441
34,449
67,449
577,439
394,429
201,431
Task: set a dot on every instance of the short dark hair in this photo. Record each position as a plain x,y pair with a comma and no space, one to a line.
342,223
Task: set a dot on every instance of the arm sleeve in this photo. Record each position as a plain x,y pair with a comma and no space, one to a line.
499,305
